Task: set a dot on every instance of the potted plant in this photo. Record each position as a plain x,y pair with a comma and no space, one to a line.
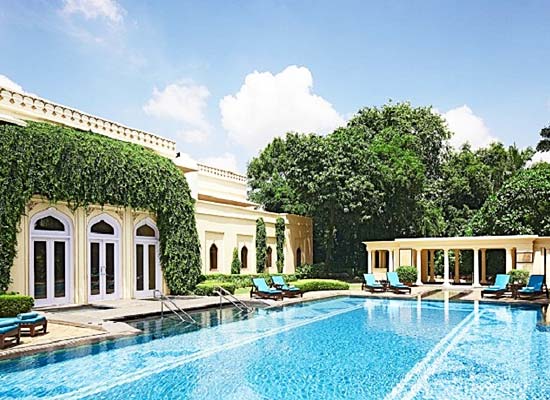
406,274
519,277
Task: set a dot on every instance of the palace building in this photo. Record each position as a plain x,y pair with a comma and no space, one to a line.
79,256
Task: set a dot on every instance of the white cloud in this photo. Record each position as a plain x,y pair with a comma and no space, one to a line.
185,103
467,127
196,136
269,105
226,161
7,83
539,157
92,9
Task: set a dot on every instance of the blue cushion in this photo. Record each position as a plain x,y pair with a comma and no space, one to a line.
290,288
527,289
8,322
33,320
29,315
6,329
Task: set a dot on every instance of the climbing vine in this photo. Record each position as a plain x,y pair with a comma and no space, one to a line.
261,245
280,237
83,168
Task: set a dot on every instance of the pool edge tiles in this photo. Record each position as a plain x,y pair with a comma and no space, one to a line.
91,390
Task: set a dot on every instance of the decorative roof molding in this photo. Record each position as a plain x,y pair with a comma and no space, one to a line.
222,173
30,107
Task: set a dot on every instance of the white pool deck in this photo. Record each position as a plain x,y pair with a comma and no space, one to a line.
74,326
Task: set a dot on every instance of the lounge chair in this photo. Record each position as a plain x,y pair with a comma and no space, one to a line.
536,286
395,285
32,322
371,285
10,333
288,290
499,288
260,289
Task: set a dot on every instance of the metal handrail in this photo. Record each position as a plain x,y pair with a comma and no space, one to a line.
225,294
169,303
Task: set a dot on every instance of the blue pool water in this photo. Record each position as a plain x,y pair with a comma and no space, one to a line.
345,348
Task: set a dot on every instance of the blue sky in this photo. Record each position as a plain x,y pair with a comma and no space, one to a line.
224,77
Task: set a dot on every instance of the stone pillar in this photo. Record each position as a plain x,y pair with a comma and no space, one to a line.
432,266
390,261
369,262
382,259
476,269
424,265
446,282
457,266
483,266
397,258
419,267
508,260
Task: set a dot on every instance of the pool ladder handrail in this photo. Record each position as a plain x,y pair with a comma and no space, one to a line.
173,307
237,303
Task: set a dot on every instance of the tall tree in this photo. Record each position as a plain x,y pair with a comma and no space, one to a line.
261,245
544,144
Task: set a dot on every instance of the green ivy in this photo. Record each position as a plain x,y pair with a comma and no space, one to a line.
280,236
83,168
261,245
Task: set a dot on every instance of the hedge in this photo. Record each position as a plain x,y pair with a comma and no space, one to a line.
206,288
241,281
84,168
407,273
312,285
11,305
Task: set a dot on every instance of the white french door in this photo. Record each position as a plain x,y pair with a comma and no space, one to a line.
103,270
49,273
148,274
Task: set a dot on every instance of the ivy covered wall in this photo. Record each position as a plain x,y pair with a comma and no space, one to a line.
83,168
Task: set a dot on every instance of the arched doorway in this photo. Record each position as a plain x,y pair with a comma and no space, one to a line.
147,272
103,258
213,257
269,258
244,258
50,258
298,257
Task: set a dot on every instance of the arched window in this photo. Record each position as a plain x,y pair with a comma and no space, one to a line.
49,223
213,257
145,231
103,228
268,258
298,257
244,257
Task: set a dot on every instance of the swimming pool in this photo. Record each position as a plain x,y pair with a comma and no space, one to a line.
344,348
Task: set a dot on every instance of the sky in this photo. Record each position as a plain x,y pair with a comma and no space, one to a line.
223,78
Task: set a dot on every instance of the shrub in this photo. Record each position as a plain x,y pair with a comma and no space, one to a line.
261,245
280,235
309,271
13,304
312,285
206,288
406,274
519,275
236,263
241,281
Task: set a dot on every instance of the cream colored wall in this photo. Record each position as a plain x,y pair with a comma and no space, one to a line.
238,225
221,187
78,270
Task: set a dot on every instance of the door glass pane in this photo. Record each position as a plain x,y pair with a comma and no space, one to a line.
49,224
139,267
40,269
94,268
145,230
103,228
109,268
59,271
152,267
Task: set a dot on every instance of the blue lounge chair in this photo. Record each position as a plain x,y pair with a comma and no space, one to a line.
10,332
536,286
260,289
33,322
371,285
499,288
288,290
395,285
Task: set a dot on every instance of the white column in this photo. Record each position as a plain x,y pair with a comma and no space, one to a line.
508,260
419,267
446,282
369,262
390,261
476,269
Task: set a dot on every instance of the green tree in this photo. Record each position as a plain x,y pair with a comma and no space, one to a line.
280,238
544,144
235,263
521,206
261,245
